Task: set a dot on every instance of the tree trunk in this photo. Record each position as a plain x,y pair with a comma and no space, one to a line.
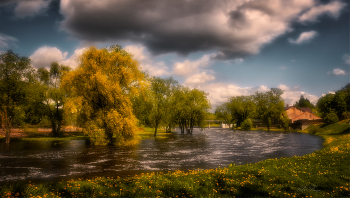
56,120
155,130
8,134
108,133
182,126
268,124
168,129
6,125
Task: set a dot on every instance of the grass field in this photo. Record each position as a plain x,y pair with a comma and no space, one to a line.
148,133
323,173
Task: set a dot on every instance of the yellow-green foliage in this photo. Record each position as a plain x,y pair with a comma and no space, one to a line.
28,129
247,124
100,90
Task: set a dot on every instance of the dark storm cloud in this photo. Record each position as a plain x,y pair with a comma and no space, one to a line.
231,28
7,2
150,22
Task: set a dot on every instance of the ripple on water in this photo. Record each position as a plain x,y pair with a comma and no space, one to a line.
205,149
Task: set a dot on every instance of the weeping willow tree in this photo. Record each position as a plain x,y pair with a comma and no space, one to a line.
99,93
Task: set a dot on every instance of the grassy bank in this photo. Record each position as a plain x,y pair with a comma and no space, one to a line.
148,133
324,173
35,135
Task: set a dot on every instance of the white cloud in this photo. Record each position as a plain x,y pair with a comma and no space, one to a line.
6,41
156,69
304,37
199,78
31,8
195,72
292,95
45,55
333,9
72,61
146,62
338,72
188,67
221,92
346,58
138,52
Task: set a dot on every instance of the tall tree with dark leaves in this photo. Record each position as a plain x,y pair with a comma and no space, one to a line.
241,108
14,71
269,106
162,91
304,102
338,103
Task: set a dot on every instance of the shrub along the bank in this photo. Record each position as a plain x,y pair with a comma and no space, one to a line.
331,118
247,124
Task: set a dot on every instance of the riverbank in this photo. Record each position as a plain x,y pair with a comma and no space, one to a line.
70,133
324,173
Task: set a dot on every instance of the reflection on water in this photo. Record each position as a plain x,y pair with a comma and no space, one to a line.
210,148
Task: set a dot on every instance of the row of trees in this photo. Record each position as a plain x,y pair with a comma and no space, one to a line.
268,107
107,95
168,104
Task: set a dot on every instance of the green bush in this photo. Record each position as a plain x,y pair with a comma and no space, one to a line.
247,124
346,115
27,128
19,116
331,118
45,122
313,129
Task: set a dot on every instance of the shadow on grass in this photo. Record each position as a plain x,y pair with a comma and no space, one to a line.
346,131
342,132
251,190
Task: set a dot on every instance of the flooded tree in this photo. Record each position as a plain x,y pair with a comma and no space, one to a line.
55,96
190,108
162,91
99,89
222,112
241,108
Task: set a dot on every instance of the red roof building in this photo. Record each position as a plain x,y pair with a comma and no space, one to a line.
295,114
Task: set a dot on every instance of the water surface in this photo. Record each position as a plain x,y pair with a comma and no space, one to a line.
210,148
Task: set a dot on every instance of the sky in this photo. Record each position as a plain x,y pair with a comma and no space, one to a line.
223,47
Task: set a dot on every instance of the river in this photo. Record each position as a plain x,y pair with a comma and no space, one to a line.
205,149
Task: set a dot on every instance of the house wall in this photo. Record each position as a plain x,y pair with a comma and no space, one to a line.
303,124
